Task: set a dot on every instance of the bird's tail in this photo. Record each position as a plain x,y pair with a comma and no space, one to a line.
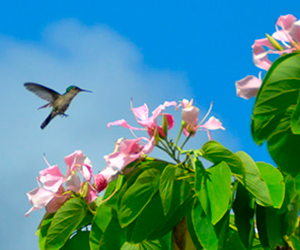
48,119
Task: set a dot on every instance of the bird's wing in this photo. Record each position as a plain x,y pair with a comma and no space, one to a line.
41,91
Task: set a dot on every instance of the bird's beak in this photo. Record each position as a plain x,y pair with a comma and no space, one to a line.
84,90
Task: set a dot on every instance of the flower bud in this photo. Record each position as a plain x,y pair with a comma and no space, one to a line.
100,182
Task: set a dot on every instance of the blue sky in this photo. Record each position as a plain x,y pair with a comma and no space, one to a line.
151,52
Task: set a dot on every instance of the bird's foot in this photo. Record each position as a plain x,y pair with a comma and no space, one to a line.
64,115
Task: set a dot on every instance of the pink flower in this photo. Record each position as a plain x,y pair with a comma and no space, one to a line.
190,116
126,152
184,104
45,197
286,40
248,87
78,161
51,193
150,123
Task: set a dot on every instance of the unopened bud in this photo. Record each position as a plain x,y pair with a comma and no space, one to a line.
100,182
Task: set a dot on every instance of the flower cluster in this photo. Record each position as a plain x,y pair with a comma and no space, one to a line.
285,40
55,188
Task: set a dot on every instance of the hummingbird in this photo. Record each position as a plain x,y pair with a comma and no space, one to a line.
60,103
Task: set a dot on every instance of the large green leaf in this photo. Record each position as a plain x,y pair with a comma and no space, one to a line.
181,205
43,229
218,185
192,232
138,196
216,153
100,222
222,229
269,226
166,184
64,222
284,146
253,181
280,90
113,236
158,224
79,240
275,182
243,207
291,216
204,229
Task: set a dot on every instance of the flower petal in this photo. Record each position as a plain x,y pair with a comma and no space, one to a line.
170,120
91,194
76,159
57,202
127,152
122,123
73,183
184,103
169,104
295,31
260,55
286,22
190,115
141,112
39,198
51,178
248,87
212,124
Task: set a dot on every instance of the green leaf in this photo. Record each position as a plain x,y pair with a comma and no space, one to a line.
269,226
291,216
216,153
182,202
275,182
253,181
218,186
147,222
221,229
113,236
99,224
192,232
79,240
158,224
204,229
296,119
201,187
280,90
283,145
138,196
243,208
159,244
64,222
166,184
43,229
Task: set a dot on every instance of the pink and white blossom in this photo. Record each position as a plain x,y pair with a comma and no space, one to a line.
288,37
190,116
51,194
141,115
125,153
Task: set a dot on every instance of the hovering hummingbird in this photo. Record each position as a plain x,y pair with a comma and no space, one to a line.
60,103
